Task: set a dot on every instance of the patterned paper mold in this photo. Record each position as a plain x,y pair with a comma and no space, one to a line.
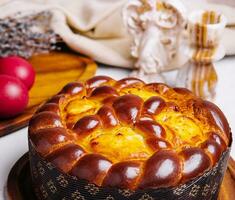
50,183
108,139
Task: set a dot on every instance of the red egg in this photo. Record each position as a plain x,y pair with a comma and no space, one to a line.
13,96
19,68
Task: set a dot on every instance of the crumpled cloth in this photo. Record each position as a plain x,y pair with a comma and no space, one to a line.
95,27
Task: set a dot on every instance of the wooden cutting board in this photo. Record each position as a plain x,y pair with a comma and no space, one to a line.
19,185
227,190
53,71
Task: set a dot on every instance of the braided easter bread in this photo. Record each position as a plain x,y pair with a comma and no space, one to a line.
129,134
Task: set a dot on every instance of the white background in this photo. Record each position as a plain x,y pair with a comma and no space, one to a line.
13,146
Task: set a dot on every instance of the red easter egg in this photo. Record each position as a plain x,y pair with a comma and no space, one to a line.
13,96
19,68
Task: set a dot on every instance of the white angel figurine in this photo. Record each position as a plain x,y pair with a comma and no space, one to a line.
157,29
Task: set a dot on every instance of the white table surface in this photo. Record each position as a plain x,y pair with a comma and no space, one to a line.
13,146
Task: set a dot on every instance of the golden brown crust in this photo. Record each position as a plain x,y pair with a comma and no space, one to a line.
195,162
123,175
129,134
44,120
91,167
162,169
65,157
48,139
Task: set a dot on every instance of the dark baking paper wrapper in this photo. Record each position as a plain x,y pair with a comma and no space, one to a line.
51,184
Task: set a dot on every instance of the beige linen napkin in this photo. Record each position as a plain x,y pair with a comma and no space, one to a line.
95,27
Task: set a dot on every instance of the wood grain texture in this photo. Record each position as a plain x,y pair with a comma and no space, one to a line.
53,71
19,186
227,190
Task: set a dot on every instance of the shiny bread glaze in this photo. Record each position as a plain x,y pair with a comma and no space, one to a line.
128,134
